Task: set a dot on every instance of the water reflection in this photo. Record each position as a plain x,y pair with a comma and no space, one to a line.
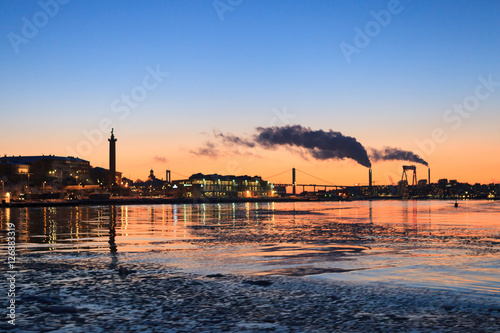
112,235
355,238
142,228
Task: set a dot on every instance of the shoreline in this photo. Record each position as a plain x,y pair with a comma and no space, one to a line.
144,201
173,201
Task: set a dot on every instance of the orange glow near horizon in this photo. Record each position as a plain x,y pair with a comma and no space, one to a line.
466,160
475,168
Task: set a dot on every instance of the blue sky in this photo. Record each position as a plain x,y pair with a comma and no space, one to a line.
230,74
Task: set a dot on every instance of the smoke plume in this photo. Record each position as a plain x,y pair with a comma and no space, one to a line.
395,154
233,139
208,150
320,144
160,159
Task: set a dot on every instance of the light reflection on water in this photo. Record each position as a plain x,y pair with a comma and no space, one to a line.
419,243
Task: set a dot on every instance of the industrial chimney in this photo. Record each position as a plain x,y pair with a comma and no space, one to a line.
370,182
429,176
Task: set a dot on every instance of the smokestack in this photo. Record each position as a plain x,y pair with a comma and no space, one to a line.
293,180
428,175
370,182
168,177
112,159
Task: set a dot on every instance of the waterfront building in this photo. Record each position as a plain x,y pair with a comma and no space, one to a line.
39,169
222,186
13,171
102,176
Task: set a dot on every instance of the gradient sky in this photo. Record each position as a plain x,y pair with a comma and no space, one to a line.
233,74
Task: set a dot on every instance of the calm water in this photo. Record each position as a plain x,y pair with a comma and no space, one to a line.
417,243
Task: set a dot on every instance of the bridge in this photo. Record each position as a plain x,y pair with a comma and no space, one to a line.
326,184
323,185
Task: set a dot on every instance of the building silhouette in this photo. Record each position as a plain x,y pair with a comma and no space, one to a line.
50,168
222,186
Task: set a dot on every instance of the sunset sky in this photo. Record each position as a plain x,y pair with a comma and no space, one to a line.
423,76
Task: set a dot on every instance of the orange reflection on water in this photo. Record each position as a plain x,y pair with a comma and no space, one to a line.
419,241
141,228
